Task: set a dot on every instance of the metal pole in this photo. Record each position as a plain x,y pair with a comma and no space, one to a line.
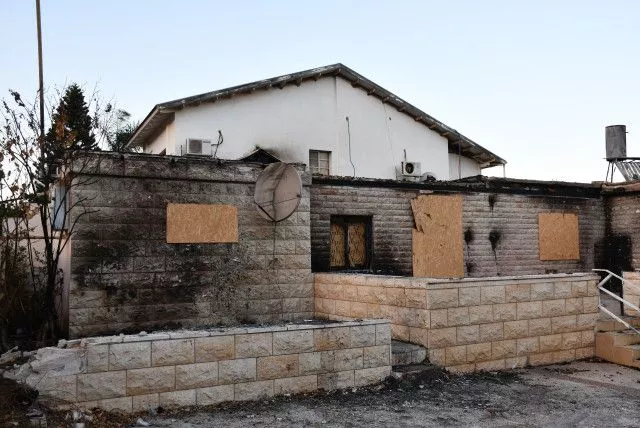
40,78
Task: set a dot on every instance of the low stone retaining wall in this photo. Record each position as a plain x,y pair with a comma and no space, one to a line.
631,292
473,324
138,372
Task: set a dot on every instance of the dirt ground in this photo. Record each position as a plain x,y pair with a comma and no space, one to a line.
578,394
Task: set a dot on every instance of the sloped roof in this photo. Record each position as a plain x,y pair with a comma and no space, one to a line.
163,113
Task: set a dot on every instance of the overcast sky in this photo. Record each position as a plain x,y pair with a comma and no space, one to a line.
535,82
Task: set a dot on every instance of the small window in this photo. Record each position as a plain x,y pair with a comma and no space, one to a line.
319,162
350,243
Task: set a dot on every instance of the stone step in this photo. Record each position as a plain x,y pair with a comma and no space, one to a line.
625,337
613,325
403,353
619,347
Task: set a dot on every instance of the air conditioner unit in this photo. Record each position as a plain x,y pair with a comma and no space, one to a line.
198,146
411,169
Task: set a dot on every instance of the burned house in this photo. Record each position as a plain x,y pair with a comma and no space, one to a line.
483,273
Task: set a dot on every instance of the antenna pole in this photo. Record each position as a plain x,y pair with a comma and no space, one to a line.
40,73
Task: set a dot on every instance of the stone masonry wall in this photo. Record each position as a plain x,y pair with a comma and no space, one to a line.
137,373
631,292
127,278
624,224
474,324
513,216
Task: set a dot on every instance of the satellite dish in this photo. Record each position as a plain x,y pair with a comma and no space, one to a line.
278,191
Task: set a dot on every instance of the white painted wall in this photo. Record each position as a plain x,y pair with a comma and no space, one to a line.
379,136
36,237
164,140
468,167
289,122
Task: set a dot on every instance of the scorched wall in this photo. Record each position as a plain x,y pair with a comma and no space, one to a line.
512,217
127,278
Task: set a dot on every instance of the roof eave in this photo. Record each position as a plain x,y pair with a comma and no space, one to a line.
149,127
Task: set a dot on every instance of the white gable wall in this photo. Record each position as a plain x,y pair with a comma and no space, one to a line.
291,121
468,167
286,122
379,136
164,140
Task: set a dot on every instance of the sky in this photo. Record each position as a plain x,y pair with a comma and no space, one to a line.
535,82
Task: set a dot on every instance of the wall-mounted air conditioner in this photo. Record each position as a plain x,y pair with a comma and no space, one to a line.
411,169
198,146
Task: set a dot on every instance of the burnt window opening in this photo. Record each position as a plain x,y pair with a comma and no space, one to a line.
350,243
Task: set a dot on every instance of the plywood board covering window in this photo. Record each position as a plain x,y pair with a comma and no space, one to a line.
558,236
437,239
350,245
337,250
199,223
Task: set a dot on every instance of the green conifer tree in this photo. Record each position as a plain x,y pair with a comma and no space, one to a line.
71,124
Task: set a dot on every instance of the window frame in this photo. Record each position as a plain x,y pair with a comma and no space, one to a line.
344,220
316,169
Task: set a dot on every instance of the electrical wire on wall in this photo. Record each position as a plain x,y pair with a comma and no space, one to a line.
459,161
220,140
387,121
349,141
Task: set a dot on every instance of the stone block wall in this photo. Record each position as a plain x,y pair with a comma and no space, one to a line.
513,216
473,324
631,292
623,216
136,373
127,278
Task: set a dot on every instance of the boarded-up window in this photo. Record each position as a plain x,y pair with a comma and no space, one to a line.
350,246
196,223
437,239
558,236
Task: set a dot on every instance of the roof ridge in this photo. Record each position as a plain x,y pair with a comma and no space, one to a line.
459,142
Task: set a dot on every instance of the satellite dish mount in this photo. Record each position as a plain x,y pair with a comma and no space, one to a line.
278,192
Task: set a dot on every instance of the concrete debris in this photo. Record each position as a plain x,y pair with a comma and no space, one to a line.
49,362
79,417
63,343
33,413
142,423
10,356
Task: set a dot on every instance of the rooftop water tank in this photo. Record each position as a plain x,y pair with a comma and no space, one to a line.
616,138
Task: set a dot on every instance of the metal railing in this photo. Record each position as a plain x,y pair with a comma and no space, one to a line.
627,284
